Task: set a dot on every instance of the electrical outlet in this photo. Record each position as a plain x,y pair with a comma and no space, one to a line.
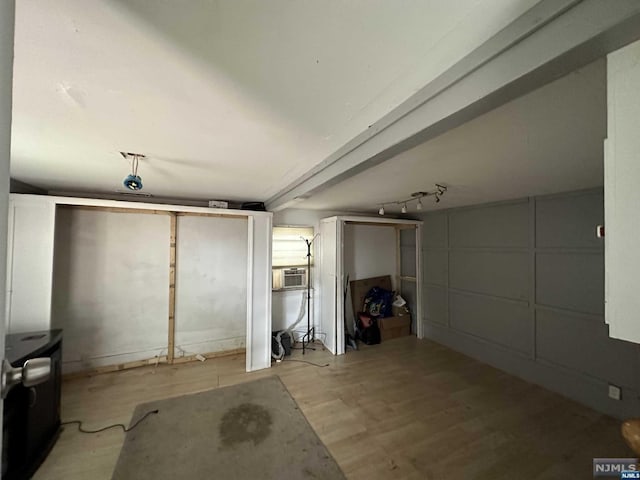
615,392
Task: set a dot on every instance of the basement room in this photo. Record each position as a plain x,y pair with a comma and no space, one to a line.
330,240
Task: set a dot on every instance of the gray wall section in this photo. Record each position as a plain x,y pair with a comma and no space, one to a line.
502,225
520,285
571,280
435,266
499,274
501,322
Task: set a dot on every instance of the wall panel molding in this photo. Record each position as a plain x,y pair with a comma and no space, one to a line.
561,342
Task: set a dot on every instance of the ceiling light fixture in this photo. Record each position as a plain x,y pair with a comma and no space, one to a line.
418,196
133,181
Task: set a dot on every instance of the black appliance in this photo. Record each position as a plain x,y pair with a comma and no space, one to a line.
31,420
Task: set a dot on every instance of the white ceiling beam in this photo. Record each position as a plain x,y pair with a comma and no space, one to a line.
550,40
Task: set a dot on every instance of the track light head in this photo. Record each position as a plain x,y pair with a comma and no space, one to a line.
437,192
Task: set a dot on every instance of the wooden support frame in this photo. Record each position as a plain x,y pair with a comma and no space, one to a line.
116,368
399,277
40,214
398,262
173,237
369,224
408,279
224,353
117,209
155,361
215,215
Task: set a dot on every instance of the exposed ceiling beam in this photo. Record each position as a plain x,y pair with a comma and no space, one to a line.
549,41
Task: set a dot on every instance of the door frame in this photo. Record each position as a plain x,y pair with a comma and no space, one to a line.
7,26
333,319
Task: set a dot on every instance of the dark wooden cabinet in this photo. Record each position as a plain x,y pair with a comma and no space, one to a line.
31,420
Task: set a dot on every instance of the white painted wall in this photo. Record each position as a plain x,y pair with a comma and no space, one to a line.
7,10
211,284
329,270
287,307
30,264
369,251
110,288
622,173
259,293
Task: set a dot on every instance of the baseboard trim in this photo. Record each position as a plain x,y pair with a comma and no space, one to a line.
589,391
162,360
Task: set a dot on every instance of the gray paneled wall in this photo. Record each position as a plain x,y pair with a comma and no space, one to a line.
520,285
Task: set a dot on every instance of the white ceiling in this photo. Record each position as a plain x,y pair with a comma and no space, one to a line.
548,141
235,99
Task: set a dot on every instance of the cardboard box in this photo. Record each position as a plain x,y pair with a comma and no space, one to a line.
400,311
394,327
399,325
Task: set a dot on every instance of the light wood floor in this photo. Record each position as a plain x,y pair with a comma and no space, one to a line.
405,409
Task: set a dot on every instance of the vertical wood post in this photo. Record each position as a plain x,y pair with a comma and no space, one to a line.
398,262
172,288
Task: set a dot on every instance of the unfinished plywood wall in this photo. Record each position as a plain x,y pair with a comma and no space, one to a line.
211,284
110,288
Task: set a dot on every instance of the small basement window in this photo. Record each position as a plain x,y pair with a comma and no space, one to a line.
289,258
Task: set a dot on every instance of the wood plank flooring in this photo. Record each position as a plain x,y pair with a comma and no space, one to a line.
405,409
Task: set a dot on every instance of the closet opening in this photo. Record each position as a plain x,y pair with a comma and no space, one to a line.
374,264
137,287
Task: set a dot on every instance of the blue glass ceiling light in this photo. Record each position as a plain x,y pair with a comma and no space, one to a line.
133,181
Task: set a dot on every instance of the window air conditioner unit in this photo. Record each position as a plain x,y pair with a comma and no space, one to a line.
284,278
